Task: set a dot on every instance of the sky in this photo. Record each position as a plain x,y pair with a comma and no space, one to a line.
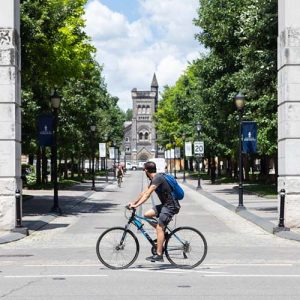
137,38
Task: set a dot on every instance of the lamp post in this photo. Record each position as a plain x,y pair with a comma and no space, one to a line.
174,146
114,168
105,161
55,103
198,128
240,103
93,129
183,139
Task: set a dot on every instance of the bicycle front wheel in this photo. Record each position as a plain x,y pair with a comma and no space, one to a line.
186,247
117,248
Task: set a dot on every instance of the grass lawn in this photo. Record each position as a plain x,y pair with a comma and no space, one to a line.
262,189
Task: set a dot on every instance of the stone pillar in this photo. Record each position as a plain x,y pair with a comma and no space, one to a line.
289,108
10,112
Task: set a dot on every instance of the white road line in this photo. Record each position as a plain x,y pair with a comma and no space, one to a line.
91,265
251,275
202,266
248,265
53,276
175,271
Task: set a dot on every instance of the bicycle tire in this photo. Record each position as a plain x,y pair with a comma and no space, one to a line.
108,252
179,247
119,182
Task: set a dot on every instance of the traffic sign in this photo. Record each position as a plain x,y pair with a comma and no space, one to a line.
198,148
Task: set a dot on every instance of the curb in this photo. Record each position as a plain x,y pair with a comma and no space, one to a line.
244,213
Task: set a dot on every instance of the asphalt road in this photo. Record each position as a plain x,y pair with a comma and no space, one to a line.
59,261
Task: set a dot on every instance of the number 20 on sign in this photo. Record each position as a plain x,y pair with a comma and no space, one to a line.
199,148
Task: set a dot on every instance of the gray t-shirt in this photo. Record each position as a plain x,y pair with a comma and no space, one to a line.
164,191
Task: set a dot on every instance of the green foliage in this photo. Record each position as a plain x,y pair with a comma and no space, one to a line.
240,37
57,53
129,114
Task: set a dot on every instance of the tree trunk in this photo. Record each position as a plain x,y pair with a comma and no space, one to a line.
212,170
65,167
72,166
191,164
264,167
31,159
229,166
246,166
38,165
44,165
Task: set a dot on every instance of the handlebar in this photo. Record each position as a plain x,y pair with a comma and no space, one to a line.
133,210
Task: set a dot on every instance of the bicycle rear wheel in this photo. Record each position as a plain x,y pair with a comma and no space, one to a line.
119,181
117,248
186,247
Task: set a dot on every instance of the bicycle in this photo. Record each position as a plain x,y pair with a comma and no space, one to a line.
118,247
119,180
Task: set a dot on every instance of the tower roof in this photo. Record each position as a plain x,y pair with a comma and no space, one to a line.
154,81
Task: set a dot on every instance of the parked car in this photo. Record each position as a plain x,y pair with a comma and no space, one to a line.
131,166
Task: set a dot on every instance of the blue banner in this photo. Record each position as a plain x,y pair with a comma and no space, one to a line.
249,136
45,128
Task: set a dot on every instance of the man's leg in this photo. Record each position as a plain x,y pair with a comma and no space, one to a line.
160,231
150,214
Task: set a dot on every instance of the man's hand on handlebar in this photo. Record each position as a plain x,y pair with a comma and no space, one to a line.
132,206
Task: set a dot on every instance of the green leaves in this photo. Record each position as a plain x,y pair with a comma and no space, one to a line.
240,36
56,53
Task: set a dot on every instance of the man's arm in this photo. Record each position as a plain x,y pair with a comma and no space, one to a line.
143,197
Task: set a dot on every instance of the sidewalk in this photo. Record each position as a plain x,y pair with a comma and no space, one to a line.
259,210
37,207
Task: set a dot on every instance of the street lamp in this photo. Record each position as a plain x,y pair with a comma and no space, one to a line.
198,128
240,103
174,146
93,129
114,168
55,103
183,139
170,156
105,161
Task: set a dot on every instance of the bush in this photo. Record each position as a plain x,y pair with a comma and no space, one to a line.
28,174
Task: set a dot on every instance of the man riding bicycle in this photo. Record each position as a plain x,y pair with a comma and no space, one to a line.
165,211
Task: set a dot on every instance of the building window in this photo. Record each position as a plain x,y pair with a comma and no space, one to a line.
146,136
139,109
141,136
127,139
127,149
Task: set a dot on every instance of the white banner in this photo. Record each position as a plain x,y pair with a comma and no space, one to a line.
172,154
102,150
177,152
112,152
168,154
188,149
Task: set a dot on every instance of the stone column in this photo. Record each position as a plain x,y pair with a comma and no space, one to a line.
10,112
289,108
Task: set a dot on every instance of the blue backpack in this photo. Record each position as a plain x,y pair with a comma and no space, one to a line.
177,190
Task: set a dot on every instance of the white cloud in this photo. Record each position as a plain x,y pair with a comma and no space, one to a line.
161,41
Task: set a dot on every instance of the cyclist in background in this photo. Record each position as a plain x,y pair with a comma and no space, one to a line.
120,174
165,211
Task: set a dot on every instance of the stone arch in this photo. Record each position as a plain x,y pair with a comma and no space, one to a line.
143,157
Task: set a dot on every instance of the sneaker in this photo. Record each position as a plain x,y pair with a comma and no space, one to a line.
155,258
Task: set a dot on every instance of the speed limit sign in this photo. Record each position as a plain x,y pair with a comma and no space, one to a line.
199,148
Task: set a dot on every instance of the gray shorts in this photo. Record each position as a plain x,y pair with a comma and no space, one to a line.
165,214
